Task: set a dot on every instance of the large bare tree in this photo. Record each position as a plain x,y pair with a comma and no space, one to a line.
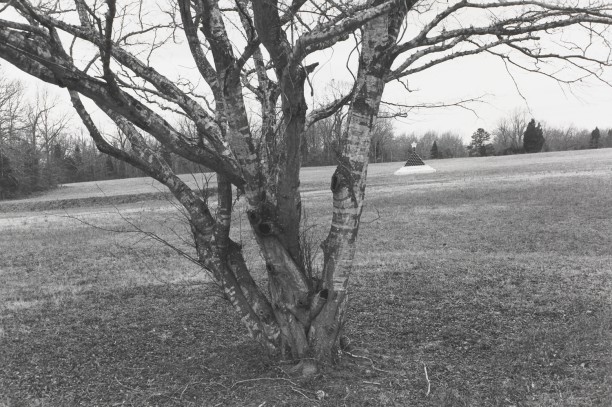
265,50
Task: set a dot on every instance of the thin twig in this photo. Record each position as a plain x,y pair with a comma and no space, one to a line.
368,359
427,378
123,385
297,390
373,220
261,378
185,389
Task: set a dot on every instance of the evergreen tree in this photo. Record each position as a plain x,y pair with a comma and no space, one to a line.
8,183
73,164
32,168
533,138
109,167
58,163
434,153
78,164
595,134
480,145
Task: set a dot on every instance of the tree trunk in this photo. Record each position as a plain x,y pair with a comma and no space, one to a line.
349,182
310,315
299,317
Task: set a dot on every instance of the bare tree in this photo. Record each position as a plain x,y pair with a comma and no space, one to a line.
11,103
11,111
11,121
321,141
380,138
562,139
105,53
508,136
45,124
451,145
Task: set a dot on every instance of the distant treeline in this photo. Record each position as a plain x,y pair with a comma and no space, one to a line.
325,137
517,133
42,146
508,137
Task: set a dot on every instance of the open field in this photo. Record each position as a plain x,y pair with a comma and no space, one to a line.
488,282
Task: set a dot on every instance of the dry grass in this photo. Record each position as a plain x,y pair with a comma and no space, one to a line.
493,274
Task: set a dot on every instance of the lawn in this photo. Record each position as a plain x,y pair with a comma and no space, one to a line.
487,283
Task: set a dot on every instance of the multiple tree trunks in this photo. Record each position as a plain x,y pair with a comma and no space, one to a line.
300,316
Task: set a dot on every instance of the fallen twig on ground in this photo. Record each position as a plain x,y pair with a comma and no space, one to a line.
368,359
261,378
428,382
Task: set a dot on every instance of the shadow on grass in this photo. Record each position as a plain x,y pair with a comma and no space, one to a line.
144,346
171,346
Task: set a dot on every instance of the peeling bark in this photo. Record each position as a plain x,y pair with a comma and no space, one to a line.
349,181
296,316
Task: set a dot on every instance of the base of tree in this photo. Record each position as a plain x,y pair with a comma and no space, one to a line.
305,368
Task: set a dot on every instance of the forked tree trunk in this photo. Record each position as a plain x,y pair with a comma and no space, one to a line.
297,317
310,314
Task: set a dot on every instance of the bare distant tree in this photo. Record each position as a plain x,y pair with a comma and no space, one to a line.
11,109
11,121
381,136
451,145
105,53
45,124
562,139
508,135
322,139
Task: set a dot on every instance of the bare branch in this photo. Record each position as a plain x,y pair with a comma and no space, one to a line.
329,109
404,109
532,18
403,70
327,34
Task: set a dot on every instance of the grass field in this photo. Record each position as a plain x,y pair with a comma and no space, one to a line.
487,283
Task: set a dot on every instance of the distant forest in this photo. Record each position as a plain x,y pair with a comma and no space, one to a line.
41,146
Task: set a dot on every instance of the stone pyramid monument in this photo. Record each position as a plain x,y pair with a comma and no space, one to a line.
414,164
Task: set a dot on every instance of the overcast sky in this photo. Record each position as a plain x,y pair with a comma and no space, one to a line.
586,105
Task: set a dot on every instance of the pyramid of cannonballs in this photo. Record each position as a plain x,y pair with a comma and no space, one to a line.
414,164
413,159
